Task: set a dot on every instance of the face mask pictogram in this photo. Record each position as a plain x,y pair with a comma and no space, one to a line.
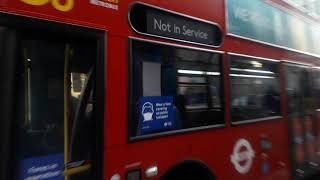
147,111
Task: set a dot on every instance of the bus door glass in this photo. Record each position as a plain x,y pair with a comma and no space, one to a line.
316,95
7,96
56,125
301,119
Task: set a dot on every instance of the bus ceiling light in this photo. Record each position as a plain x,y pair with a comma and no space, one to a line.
316,67
213,73
256,64
183,71
252,70
252,76
151,171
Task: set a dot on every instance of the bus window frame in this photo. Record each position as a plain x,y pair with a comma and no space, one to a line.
254,120
297,64
132,139
21,24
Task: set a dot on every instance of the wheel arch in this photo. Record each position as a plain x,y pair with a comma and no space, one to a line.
189,169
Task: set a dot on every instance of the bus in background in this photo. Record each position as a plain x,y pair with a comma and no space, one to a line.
157,89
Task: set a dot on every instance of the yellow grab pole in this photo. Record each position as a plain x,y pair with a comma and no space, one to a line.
26,88
66,106
77,170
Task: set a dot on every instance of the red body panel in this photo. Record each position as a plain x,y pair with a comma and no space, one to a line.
212,146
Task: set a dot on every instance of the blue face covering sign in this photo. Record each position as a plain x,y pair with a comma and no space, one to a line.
45,168
155,114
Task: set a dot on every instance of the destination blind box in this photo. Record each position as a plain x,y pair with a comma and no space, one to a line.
152,21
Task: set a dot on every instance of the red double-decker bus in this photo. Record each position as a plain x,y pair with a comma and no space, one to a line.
158,89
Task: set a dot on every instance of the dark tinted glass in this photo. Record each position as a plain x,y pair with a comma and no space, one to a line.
301,119
190,79
316,87
40,124
298,89
56,101
254,88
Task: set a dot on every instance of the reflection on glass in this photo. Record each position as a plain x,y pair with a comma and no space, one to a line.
196,96
251,76
301,118
311,7
254,88
191,77
186,79
316,87
40,130
43,88
182,71
252,70
77,83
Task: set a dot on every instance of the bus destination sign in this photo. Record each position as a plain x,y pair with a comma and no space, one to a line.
151,21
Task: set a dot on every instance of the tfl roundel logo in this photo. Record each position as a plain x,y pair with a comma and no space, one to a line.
242,156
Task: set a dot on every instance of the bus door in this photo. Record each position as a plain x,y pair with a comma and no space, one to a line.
7,97
301,118
56,126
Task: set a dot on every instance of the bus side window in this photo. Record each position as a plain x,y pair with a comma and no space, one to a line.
316,88
181,88
255,91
